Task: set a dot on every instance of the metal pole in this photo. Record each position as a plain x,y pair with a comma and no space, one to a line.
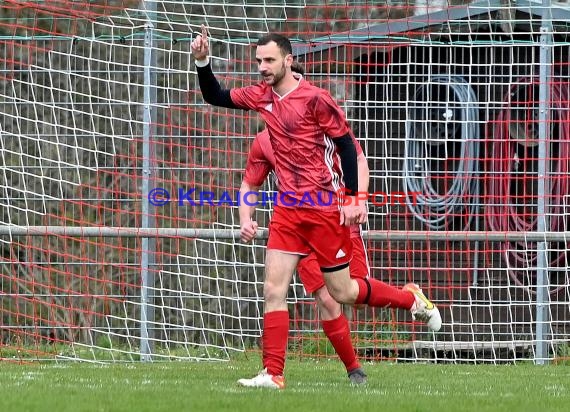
542,295
225,234
148,244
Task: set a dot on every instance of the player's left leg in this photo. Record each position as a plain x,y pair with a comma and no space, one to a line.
389,296
331,244
370,291
283,251
410,297
279,267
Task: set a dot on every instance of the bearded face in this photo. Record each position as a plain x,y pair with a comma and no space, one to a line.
272,64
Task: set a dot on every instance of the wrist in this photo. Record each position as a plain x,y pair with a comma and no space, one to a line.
202,63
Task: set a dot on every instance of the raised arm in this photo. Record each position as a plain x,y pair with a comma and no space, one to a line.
209,85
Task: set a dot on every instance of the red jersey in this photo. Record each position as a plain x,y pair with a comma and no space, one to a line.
261,161
302,125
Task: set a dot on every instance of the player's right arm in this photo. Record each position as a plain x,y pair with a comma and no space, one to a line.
209,85
256,171
246,98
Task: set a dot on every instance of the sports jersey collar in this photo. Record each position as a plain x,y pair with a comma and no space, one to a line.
290,91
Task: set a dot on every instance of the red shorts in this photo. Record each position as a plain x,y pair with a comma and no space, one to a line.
305,230
312,277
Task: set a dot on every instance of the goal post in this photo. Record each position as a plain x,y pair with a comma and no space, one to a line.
118,183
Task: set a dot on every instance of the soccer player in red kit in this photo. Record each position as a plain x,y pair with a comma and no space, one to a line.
260,162
311,140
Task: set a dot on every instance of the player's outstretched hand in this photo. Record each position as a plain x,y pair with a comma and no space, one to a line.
200,45
248,231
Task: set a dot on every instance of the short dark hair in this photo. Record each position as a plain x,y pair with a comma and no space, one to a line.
282,42
297,68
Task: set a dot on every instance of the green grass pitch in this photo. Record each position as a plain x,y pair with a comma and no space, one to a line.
311,386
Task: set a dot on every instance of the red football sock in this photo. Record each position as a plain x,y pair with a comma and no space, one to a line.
338,332
274,341
382,295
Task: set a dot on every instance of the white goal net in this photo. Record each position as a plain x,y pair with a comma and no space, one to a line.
117,233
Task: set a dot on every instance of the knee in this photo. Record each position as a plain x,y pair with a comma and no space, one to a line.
343,293
338,294
329,308
273,292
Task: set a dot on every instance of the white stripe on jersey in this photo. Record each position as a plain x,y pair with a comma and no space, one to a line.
329,152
